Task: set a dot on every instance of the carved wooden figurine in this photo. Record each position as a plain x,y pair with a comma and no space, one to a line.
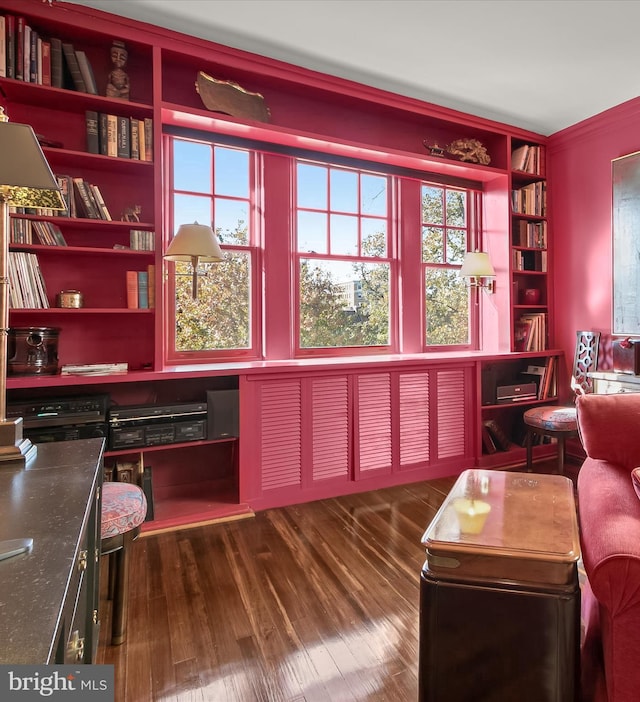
118,85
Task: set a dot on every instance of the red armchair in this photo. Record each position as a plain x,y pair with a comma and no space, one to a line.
609,515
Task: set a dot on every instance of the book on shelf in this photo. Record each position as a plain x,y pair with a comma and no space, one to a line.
87,72
74,68
530,332
143,290
148,139
45,53
124,137
48,234
86,206
488,444
142,240
536,374
34,73
134,131
66,189
112,135
142,149
102,206
500,439
93,133
26,284
19,49
132,289
94,368
151,277
3,47
10,39
57,73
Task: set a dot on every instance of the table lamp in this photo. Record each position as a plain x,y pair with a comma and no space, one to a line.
194,242
26,180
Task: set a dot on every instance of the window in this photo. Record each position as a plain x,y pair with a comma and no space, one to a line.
212,184
343,260
446,236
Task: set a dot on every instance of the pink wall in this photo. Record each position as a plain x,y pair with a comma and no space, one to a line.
580,213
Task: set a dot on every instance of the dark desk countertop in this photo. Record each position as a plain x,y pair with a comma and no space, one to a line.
49,501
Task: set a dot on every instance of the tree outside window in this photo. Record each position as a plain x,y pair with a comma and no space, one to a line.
445,237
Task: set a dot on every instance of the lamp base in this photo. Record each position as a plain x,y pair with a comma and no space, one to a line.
15,451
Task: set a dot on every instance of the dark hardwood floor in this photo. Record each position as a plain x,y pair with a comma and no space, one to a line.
314,602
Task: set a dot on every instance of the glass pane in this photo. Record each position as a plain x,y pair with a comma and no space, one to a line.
312,232
220,317
432,212
432,245
343,304
456,208
374,237
373,195
456,245
232,221
312,186
188,209
447,308
344,235
231,176
344,191
193,166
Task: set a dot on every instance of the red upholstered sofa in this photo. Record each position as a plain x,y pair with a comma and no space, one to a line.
609,515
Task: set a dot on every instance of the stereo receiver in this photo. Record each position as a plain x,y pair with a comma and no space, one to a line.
156,425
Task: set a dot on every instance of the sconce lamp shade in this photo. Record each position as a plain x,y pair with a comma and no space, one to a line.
477,264
194,241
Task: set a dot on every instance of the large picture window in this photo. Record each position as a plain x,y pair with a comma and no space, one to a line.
342,244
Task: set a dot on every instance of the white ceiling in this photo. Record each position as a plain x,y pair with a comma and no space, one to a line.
539,64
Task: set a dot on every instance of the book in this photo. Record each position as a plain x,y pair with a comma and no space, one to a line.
124,137
143,290
10,30
3,47
57,74
103,131
87,72
32,37
499,437
85,203
93,134
151,278
104,210
74,69
94,368
132,290
142,148
147,488
112,135
488,444
148,139
135,137
46,62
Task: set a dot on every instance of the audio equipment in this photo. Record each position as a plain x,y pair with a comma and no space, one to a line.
223,413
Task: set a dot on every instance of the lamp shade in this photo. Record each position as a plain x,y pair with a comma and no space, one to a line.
26,179
194,241
477,264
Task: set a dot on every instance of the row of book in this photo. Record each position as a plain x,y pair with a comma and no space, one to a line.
142,240
530,332
493,437
530,199
26,283
141,287
530,261
121,137
28,56
533,235
528,158
83,199
93,368
544,377
29,231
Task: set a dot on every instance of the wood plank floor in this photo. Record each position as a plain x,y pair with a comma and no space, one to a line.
314,602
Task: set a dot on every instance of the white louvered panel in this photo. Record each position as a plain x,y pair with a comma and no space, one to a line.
413,391
374,422
330,426
281,422
452,421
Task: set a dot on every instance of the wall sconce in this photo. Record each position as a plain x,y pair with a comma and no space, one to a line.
478,272
194,242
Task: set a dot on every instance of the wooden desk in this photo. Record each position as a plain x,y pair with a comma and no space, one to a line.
49,596
610,382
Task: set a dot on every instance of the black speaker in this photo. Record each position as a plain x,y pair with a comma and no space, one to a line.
223,414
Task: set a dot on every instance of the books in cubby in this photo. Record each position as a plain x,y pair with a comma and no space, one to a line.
142,240
530,199
530,332
26,285
141,288
47,233
528,158
83,199
532,235
544,377
119,136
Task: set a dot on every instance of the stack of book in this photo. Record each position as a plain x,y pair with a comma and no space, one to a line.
531,199
141,288
47,233
122,137
528,158
94,368
83,199
531,332
26,284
